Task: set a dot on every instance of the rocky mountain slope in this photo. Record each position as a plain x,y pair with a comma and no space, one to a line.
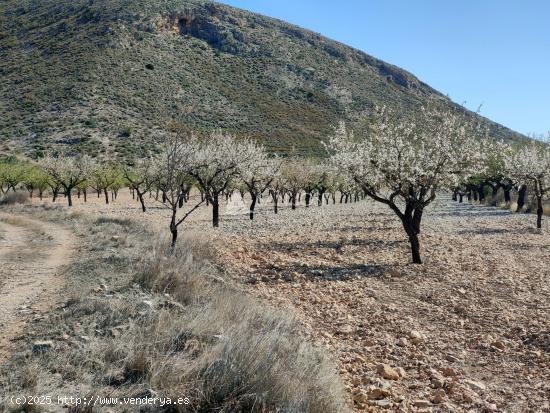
110,76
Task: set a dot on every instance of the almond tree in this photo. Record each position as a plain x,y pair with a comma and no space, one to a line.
11,175
403,163
277,187
35,180
257,174
495,174
310,175
66,172
104,176
217,162
140,178
530,165
169,170
293,175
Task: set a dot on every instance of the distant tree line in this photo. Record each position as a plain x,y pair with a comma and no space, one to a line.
401,163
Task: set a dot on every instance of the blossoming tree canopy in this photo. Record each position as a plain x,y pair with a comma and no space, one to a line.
530,165
67,171
404,162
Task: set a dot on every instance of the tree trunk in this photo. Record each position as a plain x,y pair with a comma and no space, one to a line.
415,248
540,211
293,200
481,193
69,198
455,195
173,230
106,193
521,197
180,200
40,192
460,198
252,205
417,219
413,239
215,211
275,199
308,198
55,193
140,197
85,195
494,193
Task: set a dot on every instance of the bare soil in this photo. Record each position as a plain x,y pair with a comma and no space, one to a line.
469,330
32,255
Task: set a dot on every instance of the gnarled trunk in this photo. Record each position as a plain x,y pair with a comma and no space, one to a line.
173,230
140,197
540,211
411,219
253,205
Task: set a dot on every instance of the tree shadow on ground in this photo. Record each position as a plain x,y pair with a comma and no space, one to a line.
485,231
324,272
471,212
336,245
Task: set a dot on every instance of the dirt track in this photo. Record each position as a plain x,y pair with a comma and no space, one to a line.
32,256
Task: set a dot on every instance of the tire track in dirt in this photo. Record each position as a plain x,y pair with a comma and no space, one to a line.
33,255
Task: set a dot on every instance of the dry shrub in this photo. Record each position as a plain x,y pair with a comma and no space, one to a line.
226,351
13,198
260,363
185,272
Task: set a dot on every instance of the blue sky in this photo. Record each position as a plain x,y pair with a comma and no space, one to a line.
490,52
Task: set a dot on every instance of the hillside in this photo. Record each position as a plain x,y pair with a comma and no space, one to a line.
109,76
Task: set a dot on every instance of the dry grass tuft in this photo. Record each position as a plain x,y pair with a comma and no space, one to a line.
230,352
185,272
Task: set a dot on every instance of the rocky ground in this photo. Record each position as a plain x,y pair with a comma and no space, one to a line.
469,330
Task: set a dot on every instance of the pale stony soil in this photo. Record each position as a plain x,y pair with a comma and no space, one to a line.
469,330
32,257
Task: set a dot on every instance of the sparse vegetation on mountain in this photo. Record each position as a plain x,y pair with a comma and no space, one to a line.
103,77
